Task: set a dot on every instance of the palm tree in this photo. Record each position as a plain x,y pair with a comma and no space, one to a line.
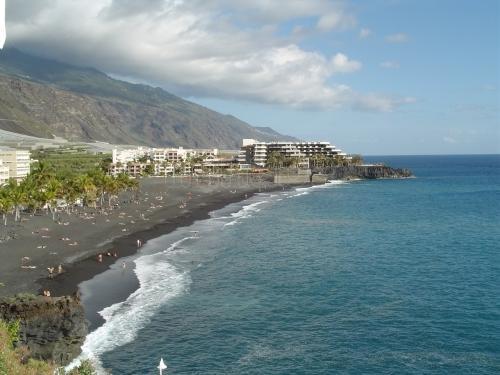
111,188
70,192
53,191
42,173
5,205
18,197
84,185
99,180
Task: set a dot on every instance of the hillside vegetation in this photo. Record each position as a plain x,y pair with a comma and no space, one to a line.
42,97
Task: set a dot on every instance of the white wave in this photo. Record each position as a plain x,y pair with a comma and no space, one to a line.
159,281
246,211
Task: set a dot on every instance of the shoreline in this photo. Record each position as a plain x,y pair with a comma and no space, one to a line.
31,248
86,269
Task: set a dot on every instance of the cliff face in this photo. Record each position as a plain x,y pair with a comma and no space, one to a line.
364,172
52,328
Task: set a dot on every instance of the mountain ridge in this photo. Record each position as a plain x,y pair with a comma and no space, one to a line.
42,97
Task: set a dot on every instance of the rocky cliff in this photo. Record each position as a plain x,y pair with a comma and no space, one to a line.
364,172
52,328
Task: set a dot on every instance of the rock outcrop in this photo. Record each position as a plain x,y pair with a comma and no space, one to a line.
52,328
364,172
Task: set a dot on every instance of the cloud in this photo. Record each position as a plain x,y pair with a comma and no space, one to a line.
342,64
397,38
389,65
380,103
220,48
335,20
364,33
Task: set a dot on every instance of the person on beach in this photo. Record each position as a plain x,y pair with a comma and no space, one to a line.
60,269
51,272
99,258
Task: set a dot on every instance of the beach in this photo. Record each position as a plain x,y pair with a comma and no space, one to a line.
32,250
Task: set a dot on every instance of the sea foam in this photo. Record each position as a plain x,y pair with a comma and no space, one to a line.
159,281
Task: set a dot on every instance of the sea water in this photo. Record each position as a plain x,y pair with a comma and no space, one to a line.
361,277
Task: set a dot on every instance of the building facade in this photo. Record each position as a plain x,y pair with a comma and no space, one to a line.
4,173
17,161
257,153
129,155
164,160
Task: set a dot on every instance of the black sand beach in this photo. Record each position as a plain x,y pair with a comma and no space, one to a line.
40,243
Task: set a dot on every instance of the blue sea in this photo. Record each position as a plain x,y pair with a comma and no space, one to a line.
358,277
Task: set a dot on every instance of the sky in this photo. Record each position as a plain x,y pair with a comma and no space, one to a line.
376,77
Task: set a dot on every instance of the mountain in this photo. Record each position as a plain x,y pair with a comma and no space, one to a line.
45,98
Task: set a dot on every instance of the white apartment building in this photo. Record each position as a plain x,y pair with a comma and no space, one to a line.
255,152
175,155
17,161
4,173
130,154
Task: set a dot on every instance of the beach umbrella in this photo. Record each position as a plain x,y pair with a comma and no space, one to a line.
162,366
3,32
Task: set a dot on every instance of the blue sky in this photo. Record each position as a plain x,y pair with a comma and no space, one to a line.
449,64
371,76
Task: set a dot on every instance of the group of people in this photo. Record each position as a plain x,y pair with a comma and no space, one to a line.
109,254
53,269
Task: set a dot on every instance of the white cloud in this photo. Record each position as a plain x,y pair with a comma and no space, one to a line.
195,48
336,19
389,64
397,38
364,33
380,103
342,64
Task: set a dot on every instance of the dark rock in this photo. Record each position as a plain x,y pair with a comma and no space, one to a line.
52,328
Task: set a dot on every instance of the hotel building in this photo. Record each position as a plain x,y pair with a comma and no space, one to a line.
255,152
4,173
17,161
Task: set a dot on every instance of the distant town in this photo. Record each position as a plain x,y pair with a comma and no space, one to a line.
253,157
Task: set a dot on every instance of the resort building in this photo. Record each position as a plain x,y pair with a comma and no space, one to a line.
166,161
17,161
162,169
130,154
256,153
4,173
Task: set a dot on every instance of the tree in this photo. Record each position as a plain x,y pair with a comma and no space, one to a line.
356,159
53,191
17,195
149,170
5,205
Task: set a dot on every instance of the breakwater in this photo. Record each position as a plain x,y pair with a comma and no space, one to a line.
368,172
320,175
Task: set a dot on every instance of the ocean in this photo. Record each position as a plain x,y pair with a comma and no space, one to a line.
357,277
